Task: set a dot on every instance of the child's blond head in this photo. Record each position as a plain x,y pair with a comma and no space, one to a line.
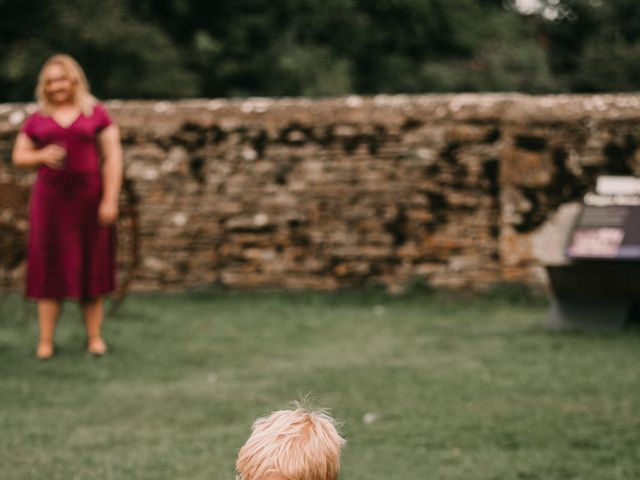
298,444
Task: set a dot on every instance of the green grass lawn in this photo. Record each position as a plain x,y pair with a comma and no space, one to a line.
450,388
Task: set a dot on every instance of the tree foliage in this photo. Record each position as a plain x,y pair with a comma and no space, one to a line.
190,48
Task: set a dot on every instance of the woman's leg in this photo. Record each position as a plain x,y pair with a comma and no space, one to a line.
93,312
48,313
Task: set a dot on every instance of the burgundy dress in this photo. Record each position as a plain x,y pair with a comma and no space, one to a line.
69,254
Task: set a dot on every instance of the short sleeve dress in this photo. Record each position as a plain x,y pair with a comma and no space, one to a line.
69,254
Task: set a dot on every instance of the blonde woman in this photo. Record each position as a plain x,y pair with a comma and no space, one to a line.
298,444
74,203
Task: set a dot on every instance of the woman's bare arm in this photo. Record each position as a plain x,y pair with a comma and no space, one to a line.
26,154
109,143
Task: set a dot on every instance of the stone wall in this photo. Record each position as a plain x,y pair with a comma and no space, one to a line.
457,191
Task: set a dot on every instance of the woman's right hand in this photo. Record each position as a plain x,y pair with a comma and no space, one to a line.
52,155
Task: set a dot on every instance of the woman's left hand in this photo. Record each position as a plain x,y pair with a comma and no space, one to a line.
107,212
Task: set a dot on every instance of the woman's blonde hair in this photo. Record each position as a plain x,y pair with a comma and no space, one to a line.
298,444
82,98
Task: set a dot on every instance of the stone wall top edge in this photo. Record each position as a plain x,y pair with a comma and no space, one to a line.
458,104
350,99
507,108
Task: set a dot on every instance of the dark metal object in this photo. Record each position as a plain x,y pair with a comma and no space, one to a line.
594,294
600,287
608,227
129,235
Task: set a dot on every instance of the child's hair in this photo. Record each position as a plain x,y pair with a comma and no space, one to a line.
299,444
